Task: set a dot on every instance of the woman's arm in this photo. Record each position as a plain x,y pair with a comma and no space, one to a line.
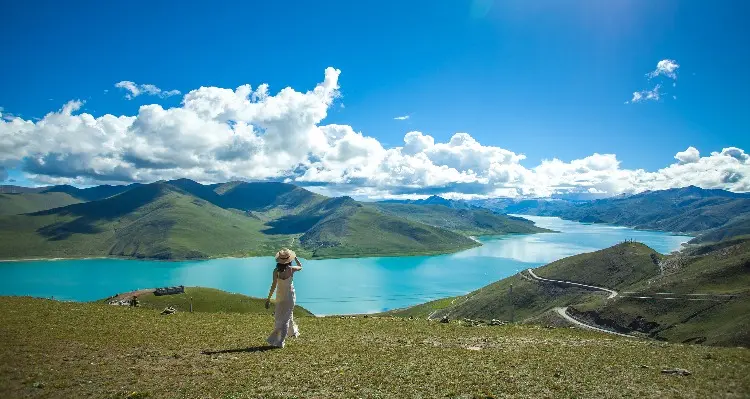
273,288
299,265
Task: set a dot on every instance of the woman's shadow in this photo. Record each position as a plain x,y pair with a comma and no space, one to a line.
240,350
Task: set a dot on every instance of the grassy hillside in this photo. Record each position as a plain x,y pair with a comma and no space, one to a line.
153,221
618,266
16,204
736,227
210,300
474,221
689,210
722,270
69,350
615,267
182,219
348,228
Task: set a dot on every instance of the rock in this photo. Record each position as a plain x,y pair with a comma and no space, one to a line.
444,319
169,310
676,371
38,384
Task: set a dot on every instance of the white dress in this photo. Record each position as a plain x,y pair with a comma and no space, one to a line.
284,324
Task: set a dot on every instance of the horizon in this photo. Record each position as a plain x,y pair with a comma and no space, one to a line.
360,198
479,99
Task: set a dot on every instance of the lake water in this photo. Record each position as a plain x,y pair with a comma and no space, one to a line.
336,286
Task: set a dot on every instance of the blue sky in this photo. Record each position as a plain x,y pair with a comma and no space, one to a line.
546,80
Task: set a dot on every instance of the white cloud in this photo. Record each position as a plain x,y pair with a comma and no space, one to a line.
667,68
134,90
691,155
220,134
646,95
402,118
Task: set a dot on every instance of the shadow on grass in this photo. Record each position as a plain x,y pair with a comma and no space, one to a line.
250,349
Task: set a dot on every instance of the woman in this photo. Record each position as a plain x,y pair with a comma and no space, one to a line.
282,280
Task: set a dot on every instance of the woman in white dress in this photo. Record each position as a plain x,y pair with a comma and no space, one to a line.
284,325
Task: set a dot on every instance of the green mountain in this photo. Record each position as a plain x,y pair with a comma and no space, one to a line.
709,287
16,204
470,221
15,200
157,221
183,219
687,210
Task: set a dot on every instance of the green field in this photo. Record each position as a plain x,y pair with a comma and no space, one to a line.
73,350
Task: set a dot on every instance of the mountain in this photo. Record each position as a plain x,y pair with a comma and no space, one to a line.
16,200
433,200
158,221
182,219
470,221
15,204
690,210
707,296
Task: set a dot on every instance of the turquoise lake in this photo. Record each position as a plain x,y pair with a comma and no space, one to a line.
336,286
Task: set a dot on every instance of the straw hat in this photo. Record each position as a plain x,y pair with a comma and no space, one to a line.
285,256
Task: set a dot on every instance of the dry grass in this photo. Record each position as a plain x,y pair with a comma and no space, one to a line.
72,350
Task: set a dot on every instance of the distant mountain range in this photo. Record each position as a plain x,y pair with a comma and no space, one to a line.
711,215
182,219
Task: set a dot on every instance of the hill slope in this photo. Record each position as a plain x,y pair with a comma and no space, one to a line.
72,350
617,266
708,300
688,210
16,204
208,300
181,219
712,283
344,227
474,221
152,221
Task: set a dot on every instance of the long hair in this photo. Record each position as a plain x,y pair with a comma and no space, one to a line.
282,266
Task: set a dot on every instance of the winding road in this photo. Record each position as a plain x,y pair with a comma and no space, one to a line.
612,293
563,311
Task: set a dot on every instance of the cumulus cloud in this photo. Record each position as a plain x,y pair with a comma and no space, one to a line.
251,133
691,155
402,118
134,90
666,68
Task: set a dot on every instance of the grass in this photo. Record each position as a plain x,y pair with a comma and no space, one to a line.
354,230
16,204
628,267
210,300
465,221
155,221
722,268
183,219
73,350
